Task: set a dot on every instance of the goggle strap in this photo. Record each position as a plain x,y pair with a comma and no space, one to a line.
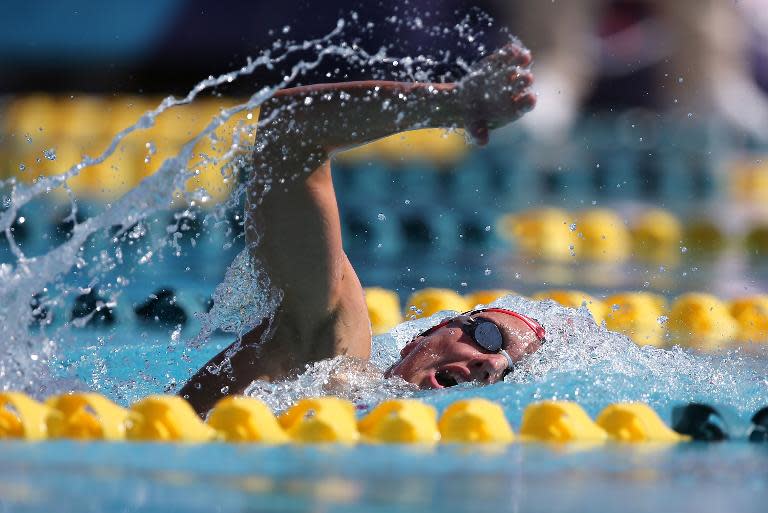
510,362
533,324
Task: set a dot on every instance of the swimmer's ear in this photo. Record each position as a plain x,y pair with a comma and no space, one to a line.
409,347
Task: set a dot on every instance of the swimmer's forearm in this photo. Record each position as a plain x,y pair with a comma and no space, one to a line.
316,120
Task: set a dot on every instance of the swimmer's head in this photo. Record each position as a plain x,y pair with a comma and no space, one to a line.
480,346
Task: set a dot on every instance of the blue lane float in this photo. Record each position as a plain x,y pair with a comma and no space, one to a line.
161,310
759,429
709,423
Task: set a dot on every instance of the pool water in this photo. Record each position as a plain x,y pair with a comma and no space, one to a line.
126,359
76,477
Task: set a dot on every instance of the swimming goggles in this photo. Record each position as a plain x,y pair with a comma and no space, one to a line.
486,333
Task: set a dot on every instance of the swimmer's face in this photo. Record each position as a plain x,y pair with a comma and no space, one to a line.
449,356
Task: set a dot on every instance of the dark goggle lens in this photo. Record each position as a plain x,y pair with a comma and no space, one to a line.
488,336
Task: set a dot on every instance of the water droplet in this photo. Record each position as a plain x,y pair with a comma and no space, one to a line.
488,228
683,250
487,272
22,167
308,100
573,228
381,217
50,153
224,389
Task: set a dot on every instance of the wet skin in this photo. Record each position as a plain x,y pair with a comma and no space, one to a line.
449,356
294,231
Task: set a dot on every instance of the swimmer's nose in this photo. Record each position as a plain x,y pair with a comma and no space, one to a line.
488,369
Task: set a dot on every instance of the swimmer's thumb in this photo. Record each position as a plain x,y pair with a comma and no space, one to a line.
478,132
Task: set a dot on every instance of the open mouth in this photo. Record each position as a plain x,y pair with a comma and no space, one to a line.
446,378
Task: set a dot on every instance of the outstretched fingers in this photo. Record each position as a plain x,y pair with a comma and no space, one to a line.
517,81
513,54
497,91
524,102
521,78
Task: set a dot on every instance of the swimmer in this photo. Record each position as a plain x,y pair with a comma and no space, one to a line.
323,311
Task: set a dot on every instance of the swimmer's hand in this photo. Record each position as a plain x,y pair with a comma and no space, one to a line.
495,91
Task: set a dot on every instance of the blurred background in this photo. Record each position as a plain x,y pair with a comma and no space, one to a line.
642,169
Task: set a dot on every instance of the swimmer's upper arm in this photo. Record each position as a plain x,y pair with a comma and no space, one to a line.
295,234
294,216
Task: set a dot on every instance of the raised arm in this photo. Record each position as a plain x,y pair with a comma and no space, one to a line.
310,122
292,220
297,223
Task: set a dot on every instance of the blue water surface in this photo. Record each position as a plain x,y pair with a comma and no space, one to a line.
85,477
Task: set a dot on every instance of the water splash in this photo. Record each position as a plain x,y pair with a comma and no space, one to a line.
29,353
581,361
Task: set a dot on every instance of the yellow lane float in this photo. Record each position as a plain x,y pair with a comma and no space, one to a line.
166,418
635,422
321,420
542,233
756,241
701,321
404,421
751,313
703,236
559,421
656,234
426,302
475,421
637,315
383,309
85,416
244,419
575,299
161,418
22,417
605,236
431,144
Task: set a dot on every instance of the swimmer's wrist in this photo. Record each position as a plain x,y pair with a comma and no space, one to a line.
447,111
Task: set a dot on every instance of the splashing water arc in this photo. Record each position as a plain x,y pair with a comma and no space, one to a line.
581,361
242,298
